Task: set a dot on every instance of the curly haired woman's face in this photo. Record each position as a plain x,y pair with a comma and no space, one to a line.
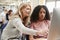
42,14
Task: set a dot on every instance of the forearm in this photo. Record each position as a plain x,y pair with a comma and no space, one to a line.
19,25
29,31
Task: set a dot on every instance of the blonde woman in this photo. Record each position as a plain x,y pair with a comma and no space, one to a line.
25,11
15,27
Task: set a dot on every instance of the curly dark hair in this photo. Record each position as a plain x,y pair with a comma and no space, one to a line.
35,14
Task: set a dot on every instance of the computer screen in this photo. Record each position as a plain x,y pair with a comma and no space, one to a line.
54,30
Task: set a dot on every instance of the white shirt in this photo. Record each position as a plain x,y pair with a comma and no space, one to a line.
3,17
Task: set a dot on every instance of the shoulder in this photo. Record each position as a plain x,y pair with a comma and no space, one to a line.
32,24
17,19
48,22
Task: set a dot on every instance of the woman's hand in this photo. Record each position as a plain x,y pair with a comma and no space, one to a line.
42,32
39,32
31,37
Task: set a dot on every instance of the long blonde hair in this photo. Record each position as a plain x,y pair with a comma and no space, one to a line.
21,6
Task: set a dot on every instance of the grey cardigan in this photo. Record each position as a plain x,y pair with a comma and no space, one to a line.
15,28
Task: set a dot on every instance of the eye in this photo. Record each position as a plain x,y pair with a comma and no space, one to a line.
44,12
28,8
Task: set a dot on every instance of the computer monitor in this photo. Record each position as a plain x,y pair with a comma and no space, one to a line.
54,30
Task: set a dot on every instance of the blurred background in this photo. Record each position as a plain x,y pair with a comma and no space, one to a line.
13,4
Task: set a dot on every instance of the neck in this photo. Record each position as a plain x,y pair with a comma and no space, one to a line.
25,20
41,19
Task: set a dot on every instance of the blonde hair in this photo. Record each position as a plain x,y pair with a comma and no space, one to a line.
21,6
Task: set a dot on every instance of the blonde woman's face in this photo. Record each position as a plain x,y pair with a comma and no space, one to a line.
26,11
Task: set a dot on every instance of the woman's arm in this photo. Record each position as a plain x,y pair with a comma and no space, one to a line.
19,25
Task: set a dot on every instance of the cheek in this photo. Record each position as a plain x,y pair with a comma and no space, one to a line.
39,16
28,11
26,14
44,15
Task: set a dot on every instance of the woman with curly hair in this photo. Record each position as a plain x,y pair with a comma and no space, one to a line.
40,20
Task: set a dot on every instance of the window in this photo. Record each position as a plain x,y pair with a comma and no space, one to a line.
26,0
50,5
58,4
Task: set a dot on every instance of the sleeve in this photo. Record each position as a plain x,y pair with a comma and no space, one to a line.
0,18
48,23
19,25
